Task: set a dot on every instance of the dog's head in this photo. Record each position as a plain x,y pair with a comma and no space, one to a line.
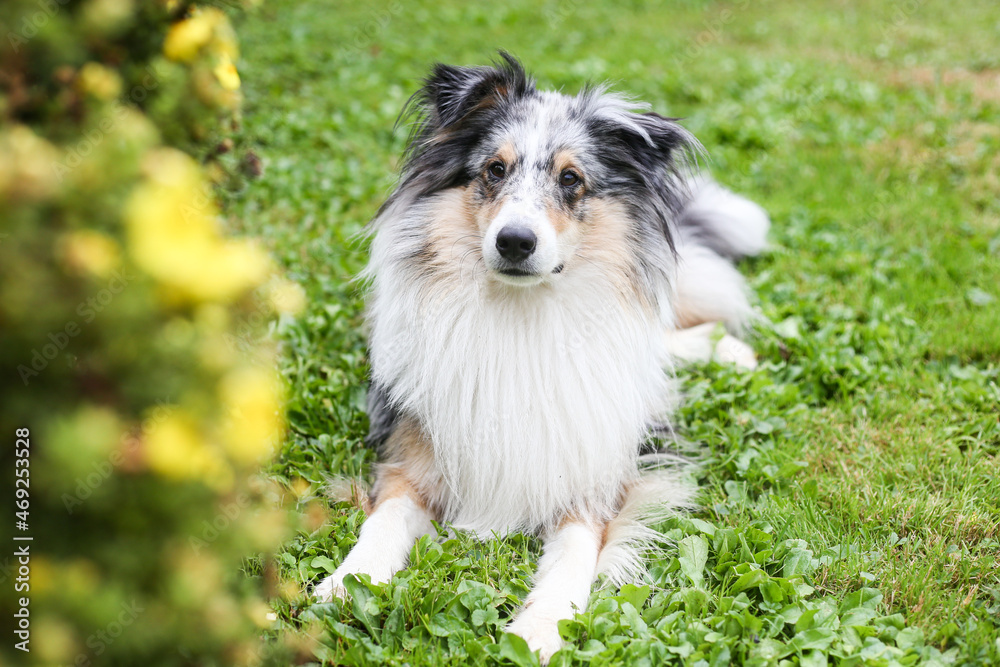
544,175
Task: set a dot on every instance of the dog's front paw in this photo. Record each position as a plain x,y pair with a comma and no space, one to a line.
329,588
542,634
734,351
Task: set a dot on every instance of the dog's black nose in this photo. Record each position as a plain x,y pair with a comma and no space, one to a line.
515,243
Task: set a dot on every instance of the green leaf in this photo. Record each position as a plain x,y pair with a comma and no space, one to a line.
771,590
442,625
910,638
631,618
322,563
693,555
797,562
485,616
813,659
634,595
695,600
515,649
364,605
816,638
866,597
703,526
752,579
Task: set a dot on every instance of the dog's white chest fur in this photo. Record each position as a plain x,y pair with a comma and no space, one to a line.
535,399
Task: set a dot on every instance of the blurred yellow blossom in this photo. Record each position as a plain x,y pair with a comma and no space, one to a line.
186,38
60,642
204,28
301,488
88,434
173,234
259,612
100,81
226,73
288,297
197,573
107,16
43,575
253,400
176,449
26,165
89,251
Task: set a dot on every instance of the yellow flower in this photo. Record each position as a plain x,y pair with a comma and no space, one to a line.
175,449
226,73
90,251
173,235
224,42
204,28
288,297
252,397
99,81
106,17
236,265
60,642
268,528
186,38
26,164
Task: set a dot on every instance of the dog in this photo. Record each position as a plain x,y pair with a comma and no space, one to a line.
543,264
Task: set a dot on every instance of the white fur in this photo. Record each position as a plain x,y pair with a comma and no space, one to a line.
708,288
534,399
699,344
566,571
659,493
739,225
383,545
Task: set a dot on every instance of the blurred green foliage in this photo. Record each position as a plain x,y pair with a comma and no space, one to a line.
134,356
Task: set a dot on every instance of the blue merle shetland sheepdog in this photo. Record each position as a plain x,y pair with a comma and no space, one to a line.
543,264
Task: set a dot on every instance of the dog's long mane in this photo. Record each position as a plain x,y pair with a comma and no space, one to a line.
537,401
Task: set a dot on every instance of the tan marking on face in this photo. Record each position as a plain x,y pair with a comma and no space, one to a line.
604,243
453,234
562,222
482,212
506,154
565,159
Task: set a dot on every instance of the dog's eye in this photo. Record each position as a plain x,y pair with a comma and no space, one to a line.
497,170
568,178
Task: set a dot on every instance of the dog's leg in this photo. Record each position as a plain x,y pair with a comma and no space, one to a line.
566,571
399,517
698,344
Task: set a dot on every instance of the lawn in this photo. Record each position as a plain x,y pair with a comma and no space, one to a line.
850,506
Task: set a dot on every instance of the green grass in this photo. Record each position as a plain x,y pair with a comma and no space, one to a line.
851,502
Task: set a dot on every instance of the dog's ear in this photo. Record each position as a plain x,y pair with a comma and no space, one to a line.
645,155
453,93
656,142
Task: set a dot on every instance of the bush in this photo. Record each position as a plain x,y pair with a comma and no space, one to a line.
140,398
